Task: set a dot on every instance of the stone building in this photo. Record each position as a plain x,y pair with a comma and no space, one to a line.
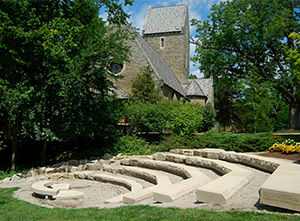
165,47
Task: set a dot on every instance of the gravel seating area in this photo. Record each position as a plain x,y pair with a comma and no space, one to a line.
96,193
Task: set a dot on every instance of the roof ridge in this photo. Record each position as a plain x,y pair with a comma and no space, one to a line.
169,6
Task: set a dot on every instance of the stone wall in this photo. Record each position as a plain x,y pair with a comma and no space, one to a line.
132,68
174,53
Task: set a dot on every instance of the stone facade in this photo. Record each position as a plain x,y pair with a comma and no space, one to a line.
165,47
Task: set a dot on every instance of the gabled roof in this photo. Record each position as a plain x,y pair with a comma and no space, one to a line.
165,19
205,84
197,87
193,89
159,65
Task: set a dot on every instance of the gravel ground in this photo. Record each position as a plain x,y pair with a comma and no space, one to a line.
247,199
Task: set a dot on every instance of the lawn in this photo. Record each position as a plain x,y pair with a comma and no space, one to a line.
13,209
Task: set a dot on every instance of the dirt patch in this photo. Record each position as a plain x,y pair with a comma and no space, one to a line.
293,157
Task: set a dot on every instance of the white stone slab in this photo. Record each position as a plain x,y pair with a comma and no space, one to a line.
69,194
42,189
221,189
282,189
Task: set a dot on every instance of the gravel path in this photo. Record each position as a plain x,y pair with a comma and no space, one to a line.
247,199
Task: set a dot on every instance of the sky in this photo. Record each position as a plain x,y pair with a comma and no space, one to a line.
198,9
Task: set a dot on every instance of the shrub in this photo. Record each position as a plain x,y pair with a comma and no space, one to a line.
185,118
145,117
225,140
131,145
209,115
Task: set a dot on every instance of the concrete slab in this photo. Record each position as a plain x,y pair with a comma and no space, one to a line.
282,188
42,189
169,193
221,189
162,181
194,177
69,194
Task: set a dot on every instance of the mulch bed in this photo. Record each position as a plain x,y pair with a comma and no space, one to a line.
294,157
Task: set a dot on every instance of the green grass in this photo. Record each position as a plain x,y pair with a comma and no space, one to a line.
13,209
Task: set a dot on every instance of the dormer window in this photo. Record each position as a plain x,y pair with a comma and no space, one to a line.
162,42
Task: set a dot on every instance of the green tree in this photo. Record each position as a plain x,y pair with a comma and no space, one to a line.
294,55
185,118
255,107
54,62
250,37
193,76
143,86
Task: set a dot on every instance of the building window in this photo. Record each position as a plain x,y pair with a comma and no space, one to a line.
117,68
162,42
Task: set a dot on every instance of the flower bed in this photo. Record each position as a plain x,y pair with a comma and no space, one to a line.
288,146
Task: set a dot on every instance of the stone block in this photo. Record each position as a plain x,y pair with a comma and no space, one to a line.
175,151
251,160
81,167
55,176
176,158
172,192
209,153
49,170
159,156
70,194
221,189
187,152
31,173
107,156
16,177
281,189
93,166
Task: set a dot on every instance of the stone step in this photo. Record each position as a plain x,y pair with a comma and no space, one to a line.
221,189
161,182
167,193
281,189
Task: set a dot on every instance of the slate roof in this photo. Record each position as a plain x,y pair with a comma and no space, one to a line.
197,87
205,84
121,94
160,66
165,19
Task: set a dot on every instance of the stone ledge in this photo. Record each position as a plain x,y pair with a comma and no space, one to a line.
221,189
282,188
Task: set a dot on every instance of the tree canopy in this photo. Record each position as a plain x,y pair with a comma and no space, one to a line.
250,38
55,59
143,86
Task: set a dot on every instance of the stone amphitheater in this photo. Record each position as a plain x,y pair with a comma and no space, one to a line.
202,178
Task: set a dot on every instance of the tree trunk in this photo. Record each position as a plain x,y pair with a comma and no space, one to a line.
294,115
43,155
14,149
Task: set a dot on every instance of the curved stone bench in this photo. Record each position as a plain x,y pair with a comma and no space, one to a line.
127,183
218,190
167,193
281,189
152,176
48,188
